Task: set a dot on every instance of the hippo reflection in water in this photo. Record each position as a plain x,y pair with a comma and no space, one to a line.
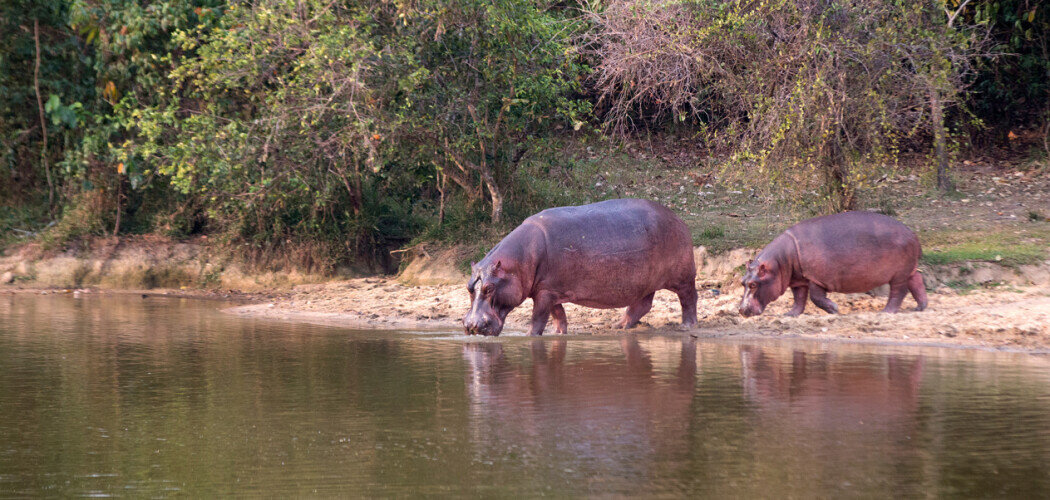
611,254
605,408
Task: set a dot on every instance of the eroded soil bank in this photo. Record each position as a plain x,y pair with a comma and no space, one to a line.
1007,317
979,304
1014,313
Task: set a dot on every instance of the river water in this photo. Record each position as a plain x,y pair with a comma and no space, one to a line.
126,396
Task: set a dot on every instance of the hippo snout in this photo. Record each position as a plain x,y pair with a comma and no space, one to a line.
749,307
485,325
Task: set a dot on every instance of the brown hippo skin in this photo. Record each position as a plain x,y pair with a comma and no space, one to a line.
849,252
611,254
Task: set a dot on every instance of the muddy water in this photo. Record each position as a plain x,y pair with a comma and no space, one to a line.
131,397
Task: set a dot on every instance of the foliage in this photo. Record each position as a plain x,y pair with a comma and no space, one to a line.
320,133
789,88
62,73
329,123
1013,89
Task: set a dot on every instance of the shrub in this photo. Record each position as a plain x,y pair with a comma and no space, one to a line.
814,96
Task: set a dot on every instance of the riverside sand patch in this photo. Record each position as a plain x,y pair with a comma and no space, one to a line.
1015,318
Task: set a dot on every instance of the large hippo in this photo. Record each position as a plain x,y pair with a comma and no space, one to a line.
850,252
615,253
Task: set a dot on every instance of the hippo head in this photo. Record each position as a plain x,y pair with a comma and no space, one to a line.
494,292
762,285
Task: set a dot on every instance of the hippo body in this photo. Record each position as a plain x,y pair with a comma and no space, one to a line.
611,254
849,252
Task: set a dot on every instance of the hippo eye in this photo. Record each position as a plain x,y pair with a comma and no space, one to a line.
752,285
486,290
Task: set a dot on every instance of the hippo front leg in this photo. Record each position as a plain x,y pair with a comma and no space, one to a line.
819,297
541,311
801,294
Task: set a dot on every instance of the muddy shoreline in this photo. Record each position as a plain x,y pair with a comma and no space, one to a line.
1001,318
996,307
1013,318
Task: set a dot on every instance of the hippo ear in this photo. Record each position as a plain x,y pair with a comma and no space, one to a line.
498,271
762,270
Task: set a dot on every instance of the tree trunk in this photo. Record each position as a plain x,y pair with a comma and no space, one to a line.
940,150
497,198
120,195
846,198
441,189
43,119
840,189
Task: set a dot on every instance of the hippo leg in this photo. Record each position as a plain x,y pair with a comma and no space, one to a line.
801,294
636,311
820,298
561,323
897,293
918,290
687,296
541,312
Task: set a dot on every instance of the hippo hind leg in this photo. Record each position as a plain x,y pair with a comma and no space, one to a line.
561,323
820,298
897,292
918,290
688,297
636,311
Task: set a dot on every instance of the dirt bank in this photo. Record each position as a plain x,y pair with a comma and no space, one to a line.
1001,317
971,303
141,263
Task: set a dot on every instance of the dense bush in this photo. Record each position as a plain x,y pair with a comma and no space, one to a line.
788,87
1012,89
319,133
324,124
314,131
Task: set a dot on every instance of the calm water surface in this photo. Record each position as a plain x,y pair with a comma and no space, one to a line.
130,397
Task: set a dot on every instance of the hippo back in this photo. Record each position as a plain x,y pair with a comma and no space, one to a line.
617,248
855,251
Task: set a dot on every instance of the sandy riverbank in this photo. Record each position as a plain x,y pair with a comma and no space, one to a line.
986,305
1004,317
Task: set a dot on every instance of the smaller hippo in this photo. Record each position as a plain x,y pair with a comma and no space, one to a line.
610,254
849,252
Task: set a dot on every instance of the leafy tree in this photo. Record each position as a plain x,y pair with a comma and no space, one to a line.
41,61
788,88
1012,89
326,124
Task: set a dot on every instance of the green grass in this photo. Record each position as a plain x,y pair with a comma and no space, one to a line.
1012,255
709,236
965,287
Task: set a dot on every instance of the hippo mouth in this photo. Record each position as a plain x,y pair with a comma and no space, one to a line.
491,330
483,333
750,306
748,312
